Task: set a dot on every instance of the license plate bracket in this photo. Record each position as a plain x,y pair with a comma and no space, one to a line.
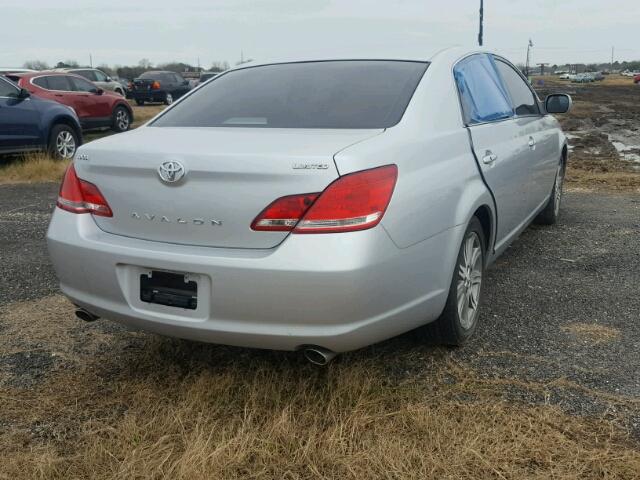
169,289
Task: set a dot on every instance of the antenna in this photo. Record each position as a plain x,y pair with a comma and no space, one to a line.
480,32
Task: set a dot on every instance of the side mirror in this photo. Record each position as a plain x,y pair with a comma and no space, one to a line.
558,103
97,91
24,93
109,79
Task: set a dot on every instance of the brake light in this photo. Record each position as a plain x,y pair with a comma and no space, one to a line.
79,196
356,201
283,214
155,85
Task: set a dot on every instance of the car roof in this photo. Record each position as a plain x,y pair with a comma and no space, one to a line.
29,75
450,55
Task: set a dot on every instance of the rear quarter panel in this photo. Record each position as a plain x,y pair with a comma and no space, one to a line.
439,185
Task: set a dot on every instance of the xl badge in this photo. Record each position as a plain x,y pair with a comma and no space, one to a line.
171,172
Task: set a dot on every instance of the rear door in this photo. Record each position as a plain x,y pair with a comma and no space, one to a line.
498,141
539,131
19,119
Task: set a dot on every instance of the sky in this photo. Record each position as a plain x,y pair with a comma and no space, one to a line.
121,32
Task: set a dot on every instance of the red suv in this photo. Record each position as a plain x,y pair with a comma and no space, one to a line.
95,107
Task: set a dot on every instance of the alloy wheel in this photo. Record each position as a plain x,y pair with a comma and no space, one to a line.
65,144
169,99
122,120
469,280
557,190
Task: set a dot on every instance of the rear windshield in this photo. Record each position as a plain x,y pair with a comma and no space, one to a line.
334,94
152,75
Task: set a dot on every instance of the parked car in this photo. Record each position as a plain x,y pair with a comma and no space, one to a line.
565,76
204,76
97,77
158,86
316,205
5,70
636,79
30,124
95,107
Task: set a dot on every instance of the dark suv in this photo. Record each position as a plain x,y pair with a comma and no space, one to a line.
29,123
158,86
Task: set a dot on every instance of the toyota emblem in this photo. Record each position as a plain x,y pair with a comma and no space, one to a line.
171,172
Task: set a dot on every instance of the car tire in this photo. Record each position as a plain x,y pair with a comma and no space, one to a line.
121,119
63,142
168,99
459,319
140,102
551,212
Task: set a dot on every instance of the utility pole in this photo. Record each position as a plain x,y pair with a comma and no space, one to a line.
528,54
90,61
612,51
480,32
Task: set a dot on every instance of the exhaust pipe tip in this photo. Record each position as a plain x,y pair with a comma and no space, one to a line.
85,315
318,355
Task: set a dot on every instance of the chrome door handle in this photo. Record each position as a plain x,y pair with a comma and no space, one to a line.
489,157
532,142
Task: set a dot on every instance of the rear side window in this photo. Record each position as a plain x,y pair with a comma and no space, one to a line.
58,82
41,82
331,94
482,94
524,103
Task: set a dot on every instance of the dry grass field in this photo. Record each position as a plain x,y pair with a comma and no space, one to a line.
161,408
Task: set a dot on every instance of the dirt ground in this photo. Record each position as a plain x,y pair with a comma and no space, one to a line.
549,388
604,132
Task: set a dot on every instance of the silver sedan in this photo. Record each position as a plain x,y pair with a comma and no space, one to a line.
318,205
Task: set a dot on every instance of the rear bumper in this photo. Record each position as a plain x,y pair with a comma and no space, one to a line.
340,292
149,95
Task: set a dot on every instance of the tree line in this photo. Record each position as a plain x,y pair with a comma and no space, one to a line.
131,71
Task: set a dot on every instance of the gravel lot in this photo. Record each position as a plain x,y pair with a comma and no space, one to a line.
560,306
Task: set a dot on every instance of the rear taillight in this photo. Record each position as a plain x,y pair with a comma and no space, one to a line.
283,214
356,201
155,85
79,196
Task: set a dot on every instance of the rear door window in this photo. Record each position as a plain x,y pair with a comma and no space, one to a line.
58,82
523,100
482,93
41,82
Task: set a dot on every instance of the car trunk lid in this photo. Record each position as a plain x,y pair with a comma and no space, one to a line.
231,174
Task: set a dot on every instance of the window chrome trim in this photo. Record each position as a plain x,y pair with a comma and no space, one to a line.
58,75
